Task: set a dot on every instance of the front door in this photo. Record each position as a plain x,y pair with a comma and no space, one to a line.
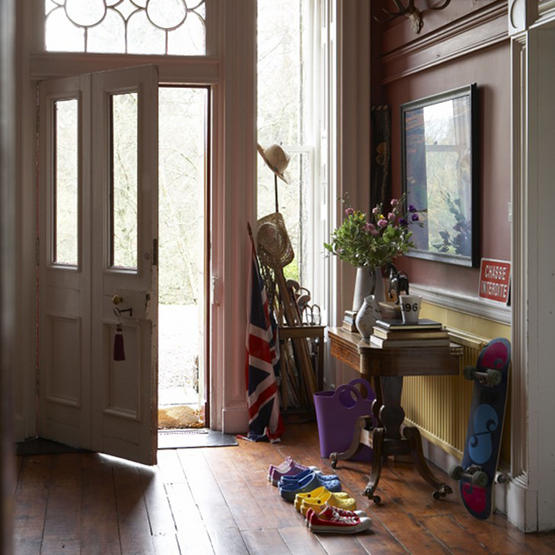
98,262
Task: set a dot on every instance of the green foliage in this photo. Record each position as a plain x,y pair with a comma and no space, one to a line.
458,242
372,241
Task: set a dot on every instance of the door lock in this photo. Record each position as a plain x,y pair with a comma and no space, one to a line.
118,299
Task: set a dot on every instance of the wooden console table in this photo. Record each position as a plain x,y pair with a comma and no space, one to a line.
385,368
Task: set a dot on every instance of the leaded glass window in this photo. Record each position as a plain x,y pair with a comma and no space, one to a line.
126,26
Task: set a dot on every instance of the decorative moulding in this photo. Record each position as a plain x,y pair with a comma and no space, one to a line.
463,303
479,30
522,13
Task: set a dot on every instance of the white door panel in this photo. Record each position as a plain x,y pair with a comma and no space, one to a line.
116,400
65,271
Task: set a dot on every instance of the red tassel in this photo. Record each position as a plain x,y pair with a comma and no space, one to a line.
119,350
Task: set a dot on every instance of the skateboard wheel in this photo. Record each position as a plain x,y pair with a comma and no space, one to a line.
377,499
437,495
469,372
494,377
456,472
480,479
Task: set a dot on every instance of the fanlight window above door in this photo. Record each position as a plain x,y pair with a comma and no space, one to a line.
174,27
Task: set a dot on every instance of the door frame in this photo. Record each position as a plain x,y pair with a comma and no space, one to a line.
232,189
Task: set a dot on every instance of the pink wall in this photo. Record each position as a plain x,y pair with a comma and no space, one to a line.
489,68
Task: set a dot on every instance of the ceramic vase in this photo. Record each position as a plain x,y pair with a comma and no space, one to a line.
367,315
369,281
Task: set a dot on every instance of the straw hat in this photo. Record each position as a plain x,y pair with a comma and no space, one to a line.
276,159
272,241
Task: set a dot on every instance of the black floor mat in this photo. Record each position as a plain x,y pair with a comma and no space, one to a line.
39,446
193,437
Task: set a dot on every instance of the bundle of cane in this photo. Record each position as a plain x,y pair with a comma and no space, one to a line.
274,249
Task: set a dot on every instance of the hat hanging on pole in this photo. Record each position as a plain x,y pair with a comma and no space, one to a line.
277,160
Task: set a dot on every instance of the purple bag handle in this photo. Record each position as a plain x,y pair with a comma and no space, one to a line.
369,391
344,394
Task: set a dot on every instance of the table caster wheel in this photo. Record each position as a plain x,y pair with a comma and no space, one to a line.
442,491
377,499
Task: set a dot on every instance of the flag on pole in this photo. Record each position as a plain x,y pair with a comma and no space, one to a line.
262,362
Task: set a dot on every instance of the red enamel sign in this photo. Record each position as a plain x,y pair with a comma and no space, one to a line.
495,279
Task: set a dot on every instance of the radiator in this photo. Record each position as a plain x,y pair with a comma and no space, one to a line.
440,405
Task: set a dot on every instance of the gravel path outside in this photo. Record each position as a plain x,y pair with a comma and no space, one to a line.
178,347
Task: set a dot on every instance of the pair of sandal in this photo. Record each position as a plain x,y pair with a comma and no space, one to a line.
316,499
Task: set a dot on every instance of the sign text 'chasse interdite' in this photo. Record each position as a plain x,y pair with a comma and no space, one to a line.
495,280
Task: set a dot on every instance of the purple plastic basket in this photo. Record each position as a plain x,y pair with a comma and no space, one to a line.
337,413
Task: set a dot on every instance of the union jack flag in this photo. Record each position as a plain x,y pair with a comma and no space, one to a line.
262,362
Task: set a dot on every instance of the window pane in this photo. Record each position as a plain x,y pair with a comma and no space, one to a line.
66,182
124,180
126,26
280,82
282,42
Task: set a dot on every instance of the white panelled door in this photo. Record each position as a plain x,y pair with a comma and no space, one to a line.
98,262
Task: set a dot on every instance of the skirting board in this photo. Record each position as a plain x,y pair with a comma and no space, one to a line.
235,420
513,499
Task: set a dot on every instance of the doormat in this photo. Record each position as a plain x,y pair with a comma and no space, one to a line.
40,446
185,439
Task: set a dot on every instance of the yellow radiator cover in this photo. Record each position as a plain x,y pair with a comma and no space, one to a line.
439,405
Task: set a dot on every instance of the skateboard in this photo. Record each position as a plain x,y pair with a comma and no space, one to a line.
477,472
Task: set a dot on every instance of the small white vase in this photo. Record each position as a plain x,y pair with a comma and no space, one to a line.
367,315
369,281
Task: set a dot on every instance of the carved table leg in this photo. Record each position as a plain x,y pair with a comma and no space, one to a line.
352,449
377,446
392,414
413,435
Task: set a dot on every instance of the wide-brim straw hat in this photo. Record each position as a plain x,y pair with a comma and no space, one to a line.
276,159
272,241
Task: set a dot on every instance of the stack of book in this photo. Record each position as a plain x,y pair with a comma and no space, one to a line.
349,320
393,333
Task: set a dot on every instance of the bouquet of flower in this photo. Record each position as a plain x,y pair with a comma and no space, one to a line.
375,240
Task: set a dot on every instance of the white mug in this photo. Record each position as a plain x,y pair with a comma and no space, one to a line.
410,308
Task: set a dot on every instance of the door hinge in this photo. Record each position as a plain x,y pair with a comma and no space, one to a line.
155,252
37,251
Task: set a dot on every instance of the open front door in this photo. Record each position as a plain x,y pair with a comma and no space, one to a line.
98,237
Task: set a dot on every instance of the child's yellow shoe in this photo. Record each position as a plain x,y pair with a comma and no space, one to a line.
316,503
317,493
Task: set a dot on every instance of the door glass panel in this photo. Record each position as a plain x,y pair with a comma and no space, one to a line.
124,181
66,190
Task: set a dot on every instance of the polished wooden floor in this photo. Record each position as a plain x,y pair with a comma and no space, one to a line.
217,500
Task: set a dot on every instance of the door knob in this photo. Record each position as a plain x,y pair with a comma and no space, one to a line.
117,299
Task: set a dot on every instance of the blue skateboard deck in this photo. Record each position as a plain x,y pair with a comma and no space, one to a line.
485,428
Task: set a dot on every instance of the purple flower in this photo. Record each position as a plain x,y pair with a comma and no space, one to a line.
391,216
371,228
394,202
403,222
412,208
349,211
414,217
375,210
382,223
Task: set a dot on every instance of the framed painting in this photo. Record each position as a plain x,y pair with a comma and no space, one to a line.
440,173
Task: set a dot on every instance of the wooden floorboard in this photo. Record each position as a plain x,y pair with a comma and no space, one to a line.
218,500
